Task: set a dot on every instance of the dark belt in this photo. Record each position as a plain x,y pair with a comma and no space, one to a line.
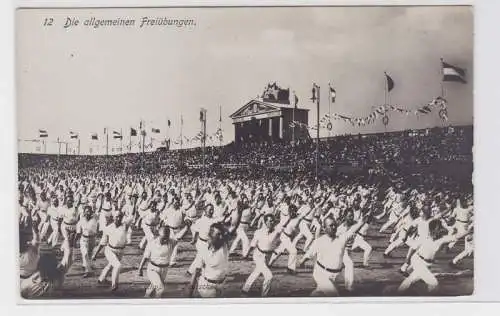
159,265
307,220
171,227
214,281
361,234
150,225
289,236
465,222
264,252
330,270
106,210
70,224
24,277
426,260
117,248
241,222
86,236
204,240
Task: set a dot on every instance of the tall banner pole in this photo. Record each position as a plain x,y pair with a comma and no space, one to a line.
317,133
78,144
121,140
130,141
293,119
329,108
220,126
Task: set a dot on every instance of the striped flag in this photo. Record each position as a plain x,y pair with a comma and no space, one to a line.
94,136
333,94
155,130
133,132
117,135
453,73
390,82
43,133
203,115
73,135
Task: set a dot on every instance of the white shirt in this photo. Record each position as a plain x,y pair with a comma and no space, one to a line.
160,254
264,240
202,227
116,237
329,253
174,218
87,227
70,215
216,263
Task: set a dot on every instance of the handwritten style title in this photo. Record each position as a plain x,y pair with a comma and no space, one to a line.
145,21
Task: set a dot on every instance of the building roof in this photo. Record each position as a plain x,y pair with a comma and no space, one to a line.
254,107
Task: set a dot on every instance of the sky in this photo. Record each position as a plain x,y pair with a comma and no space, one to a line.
85,79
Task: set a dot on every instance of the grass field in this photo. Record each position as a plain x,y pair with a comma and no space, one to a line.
381,278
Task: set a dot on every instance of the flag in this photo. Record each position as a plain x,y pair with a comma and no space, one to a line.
296,100
94,136
43,133
425,110
453,73
203,115
73,135
168,123
117,135
390,82
133,132
315,93
155,130
333,94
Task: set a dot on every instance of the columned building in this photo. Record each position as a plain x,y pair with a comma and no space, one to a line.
258,121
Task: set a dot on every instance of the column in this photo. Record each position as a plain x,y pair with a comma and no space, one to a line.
271,127
281,127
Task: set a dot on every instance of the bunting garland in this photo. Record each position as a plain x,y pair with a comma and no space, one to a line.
382,112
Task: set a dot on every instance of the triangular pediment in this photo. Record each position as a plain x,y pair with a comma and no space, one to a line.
253,108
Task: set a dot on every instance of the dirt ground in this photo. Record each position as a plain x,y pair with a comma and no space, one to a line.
381,278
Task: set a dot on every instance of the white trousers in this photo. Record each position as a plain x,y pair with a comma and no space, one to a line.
468,250
68,232
209,289
241,236
393,219
87,245
54,236
324,282
113,256
287,245
157,277
349,271
148,235
420,272
201,247
360,242
304,231
260,260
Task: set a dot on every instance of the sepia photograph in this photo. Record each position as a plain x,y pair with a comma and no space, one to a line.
241,152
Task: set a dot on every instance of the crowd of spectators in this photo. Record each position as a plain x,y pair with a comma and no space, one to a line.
439,153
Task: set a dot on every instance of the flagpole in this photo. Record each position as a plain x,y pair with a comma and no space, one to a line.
317,133
293,118
78,145
442,76
329,108
386,96
130,141
121,141
220,126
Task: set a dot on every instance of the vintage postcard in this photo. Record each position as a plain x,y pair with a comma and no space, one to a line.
238,152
